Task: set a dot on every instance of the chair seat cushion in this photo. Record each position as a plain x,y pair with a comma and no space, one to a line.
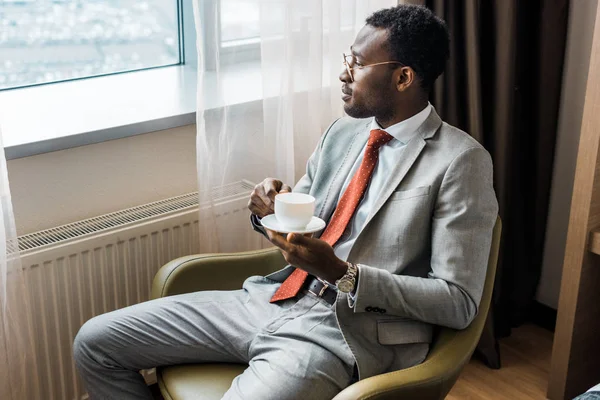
197,381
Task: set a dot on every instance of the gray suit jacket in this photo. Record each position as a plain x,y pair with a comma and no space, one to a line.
423,251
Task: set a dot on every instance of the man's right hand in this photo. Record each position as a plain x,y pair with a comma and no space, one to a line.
262,199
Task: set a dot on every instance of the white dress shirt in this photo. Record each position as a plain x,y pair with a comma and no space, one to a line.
389,155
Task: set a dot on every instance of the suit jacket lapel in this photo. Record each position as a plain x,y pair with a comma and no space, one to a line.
357,145
409,155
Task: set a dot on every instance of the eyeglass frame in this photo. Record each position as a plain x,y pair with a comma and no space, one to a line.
349,68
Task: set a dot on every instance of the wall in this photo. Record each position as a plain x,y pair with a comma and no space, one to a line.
577,57
57,188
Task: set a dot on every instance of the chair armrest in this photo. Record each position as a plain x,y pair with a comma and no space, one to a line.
225,271
428,380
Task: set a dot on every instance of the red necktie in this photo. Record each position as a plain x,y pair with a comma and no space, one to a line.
343,212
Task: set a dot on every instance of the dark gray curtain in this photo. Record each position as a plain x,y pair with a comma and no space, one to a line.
502,85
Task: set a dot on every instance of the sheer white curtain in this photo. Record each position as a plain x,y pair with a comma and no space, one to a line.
264,101
16,344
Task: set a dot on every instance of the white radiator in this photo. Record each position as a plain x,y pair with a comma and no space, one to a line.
90,267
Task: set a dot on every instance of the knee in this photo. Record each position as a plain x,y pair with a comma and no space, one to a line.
88,341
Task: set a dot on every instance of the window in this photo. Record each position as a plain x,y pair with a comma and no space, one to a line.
43,41
241,25
240,22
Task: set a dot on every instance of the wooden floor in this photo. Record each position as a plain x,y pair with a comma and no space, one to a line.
524,374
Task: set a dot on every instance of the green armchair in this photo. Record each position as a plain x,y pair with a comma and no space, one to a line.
431,379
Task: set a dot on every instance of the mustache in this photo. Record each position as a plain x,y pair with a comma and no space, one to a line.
346,91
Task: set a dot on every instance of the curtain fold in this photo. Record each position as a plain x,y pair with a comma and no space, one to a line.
294,72
17,363
503,85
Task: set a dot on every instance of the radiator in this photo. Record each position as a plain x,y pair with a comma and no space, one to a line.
94,266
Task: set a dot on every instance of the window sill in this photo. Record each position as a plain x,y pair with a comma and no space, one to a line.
59,116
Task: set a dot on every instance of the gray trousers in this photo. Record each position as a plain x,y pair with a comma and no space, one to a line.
294,348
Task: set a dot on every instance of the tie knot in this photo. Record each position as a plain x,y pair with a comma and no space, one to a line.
378,138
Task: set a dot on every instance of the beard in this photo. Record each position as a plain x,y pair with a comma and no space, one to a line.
357,111
366,111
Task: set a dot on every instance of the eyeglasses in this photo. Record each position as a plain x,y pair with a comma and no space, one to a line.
350,63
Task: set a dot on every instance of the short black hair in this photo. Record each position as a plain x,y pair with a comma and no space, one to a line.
417,38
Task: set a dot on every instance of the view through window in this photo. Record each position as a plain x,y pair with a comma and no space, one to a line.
240,22
241,19
45,41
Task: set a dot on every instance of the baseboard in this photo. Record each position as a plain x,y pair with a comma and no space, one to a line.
543,316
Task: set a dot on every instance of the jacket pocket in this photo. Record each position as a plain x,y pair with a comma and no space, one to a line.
403,332
407,194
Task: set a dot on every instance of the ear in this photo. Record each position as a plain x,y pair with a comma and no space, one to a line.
405,78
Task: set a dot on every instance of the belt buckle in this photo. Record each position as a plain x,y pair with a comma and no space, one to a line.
322,291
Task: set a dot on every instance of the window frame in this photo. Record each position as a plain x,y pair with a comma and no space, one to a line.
180,5
148,100
212,32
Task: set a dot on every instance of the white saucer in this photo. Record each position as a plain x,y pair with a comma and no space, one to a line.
270,222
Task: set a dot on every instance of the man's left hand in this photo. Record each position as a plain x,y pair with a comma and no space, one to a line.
314,256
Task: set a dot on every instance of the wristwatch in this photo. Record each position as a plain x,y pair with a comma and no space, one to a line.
347,282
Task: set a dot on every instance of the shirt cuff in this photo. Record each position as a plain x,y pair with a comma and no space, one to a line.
351,300
256,225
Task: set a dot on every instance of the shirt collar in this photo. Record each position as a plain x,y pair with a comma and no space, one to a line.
404,130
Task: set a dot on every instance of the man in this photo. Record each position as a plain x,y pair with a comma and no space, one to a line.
410,210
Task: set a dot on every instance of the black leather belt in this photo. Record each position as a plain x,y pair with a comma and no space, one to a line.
320,289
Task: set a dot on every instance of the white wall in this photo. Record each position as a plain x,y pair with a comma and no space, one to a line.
57,188
577,58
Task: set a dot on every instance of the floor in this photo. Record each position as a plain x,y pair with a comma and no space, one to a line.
524,374
525,358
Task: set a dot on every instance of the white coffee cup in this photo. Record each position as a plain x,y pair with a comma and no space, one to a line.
294,210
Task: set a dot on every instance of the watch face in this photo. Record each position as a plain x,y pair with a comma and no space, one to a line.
345,286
